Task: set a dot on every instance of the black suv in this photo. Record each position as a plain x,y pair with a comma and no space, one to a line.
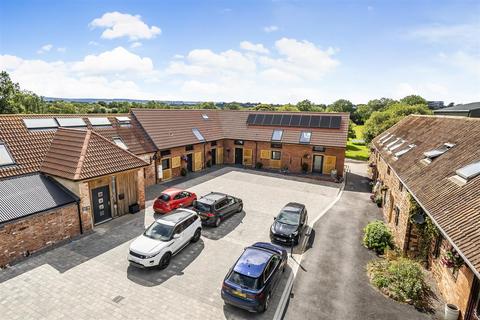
215,206
289,224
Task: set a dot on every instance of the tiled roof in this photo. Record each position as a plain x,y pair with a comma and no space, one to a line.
29,147
171,128
78,154
461,107
455,208
28,194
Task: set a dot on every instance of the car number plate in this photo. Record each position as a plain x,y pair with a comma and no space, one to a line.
239,294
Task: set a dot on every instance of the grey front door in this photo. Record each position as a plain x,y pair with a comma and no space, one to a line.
317,163
238,156
101,204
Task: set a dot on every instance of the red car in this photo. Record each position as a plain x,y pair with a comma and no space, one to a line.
173,198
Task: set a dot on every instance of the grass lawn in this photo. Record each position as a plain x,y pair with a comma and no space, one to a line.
357,151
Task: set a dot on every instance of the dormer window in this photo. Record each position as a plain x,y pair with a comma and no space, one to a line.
5,157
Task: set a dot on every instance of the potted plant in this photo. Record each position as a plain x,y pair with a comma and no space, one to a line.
305,167
258,165
451,259
183,172
379,200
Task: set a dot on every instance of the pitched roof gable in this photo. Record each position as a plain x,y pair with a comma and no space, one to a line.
82,154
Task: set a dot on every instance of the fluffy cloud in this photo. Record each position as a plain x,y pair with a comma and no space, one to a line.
258,48
119,25
45,48
107,75
118,60
463,60
136,45
269,29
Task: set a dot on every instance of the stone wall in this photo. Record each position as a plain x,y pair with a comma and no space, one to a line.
30,234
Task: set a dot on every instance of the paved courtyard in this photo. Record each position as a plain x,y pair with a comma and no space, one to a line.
90,278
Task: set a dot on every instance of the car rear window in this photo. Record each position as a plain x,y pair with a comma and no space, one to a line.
244,281
164,197
200,206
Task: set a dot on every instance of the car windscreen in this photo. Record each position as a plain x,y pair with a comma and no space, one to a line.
159,231
164,197
200,206
244,281
289,217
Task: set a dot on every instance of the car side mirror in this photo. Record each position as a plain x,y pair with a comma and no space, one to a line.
274,218
176,236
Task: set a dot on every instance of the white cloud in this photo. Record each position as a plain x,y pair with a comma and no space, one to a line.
136,45
45,48
178,56
271,28
62,49
93,43
118,60
468,62
258,48
458,33
119,25
111,74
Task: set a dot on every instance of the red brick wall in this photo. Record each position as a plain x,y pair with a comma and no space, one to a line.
36,232
456,291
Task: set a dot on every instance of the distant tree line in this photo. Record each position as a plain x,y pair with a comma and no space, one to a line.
377,115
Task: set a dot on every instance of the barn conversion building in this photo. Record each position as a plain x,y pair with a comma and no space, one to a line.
60,175
427,170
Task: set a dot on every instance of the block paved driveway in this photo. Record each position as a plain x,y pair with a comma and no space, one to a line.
90,278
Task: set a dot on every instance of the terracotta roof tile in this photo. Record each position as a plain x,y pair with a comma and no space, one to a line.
171,128
456,209
77,154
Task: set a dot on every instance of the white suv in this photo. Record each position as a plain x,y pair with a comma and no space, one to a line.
165,238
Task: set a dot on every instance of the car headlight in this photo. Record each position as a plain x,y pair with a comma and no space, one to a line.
152,255
272,229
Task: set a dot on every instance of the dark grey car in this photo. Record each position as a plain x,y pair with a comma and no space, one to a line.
215,206
289,224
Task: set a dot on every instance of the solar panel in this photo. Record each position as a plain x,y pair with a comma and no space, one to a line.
102,121
305,121
71,122
251,118
295,122
325,122
277,118
335,123
286,120
470,171
315,122
46,123
259,119
197,134
268,119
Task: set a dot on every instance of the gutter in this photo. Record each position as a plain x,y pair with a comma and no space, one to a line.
475,271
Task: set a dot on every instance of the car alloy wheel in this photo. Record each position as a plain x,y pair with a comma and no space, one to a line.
165,260
240,209
217,222
196,236
266,303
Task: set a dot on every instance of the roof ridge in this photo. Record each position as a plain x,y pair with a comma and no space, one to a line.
83,153
433,116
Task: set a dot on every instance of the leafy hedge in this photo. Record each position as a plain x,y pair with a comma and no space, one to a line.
377,237
400,278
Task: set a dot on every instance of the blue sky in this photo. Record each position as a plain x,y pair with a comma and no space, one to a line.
269,51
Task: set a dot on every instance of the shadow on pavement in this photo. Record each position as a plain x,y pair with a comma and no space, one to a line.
153,276
357,183
225,227
232,312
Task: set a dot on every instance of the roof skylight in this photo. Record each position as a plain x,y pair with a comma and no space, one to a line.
5,157
395,146
102,121
71,122
205,116
197,134
470,171
119,142
392,143
403,151
277,135
432,154
305,136
123,119
385,140
45,123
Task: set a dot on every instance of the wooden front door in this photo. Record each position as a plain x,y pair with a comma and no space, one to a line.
329,164
101,204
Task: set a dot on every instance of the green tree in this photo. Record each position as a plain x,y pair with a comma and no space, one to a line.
305,105
341,105
288,107
207,105
351,131
364,111
232,106
264,107
380,121
413,100
9,93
